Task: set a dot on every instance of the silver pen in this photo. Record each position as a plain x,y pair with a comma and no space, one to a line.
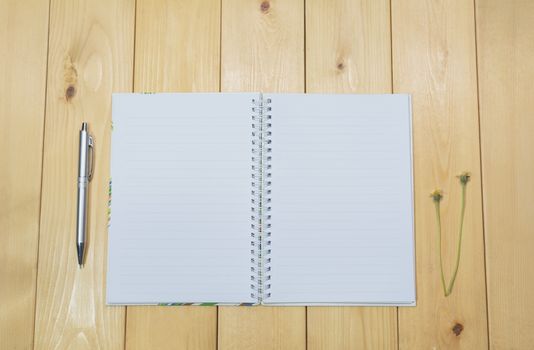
85,174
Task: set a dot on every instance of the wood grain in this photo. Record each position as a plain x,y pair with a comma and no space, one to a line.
262,49
348,50
90,56
352,327
434,59
506,72
177,46
262,327
262,46
348,46
167,327
177,49
23,46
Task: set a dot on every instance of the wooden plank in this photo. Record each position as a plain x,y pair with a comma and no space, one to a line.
348,50
434,59
177,45
23,46
262,46
262,50
352,328
167,327
177,49
348,46
506,72
90,56
262,327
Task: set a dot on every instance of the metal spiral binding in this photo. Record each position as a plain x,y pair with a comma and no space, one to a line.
261,200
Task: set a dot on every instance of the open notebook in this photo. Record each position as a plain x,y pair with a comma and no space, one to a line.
251,198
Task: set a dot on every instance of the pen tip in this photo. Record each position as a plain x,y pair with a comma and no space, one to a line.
80,248
84,126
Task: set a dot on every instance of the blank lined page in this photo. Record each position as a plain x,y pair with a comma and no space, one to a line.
180,211
342,213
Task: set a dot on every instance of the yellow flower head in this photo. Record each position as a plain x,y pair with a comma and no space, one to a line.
464,177
436,195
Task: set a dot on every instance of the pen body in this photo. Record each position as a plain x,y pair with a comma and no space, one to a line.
84,168
81,223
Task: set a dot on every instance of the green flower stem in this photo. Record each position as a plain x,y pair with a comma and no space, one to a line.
453,279
438,221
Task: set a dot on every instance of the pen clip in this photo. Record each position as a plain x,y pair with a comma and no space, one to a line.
91,150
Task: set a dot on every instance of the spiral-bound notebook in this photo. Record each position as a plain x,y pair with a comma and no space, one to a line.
250,198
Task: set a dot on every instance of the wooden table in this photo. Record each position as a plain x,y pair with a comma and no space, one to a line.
469,67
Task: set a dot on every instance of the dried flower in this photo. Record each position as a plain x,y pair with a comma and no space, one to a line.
437,195
464,177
